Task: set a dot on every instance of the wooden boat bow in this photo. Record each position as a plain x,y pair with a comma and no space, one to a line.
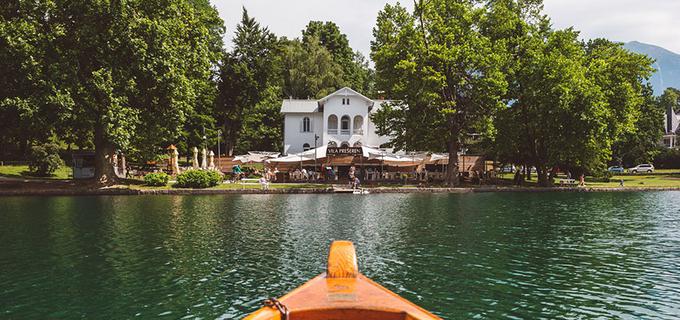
341,293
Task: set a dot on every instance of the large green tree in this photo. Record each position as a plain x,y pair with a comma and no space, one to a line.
445,73
246,76
134,69
308,70
573,101
31,102
355,70
642,144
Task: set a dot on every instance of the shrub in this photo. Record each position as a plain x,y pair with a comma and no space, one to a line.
44,160
668,159
198,179
157,179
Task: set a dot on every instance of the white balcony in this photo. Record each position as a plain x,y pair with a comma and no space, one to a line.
332,131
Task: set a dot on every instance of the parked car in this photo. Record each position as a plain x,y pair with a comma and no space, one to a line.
645,167
509,168
616,169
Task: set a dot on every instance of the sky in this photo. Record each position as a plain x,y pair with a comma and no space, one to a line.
655,22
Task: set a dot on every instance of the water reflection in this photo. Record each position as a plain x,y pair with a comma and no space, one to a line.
461,256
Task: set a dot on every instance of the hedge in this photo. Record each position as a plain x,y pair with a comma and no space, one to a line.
198,179
156,179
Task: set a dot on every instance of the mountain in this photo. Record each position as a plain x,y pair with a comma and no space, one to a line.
667,65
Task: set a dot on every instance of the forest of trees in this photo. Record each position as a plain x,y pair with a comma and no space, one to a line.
138,75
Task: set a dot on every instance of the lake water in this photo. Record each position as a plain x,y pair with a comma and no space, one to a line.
505,255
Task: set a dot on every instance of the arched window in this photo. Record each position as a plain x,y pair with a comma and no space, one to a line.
332,144
358,125
345,144
332,124
306,125
344,125
305,147
357,144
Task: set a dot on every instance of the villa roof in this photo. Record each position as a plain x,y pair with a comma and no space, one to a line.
346,91
310,106
299,106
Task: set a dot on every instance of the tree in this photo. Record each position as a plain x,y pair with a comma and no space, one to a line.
245,76
642,144
444,72
308,70
574,101
355,70
31,102
263,126
134,70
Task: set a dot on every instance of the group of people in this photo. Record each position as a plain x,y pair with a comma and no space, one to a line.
304,174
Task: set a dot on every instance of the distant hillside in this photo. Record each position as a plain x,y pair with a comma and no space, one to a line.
667,65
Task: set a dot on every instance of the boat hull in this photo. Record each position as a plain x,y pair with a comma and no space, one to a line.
342,293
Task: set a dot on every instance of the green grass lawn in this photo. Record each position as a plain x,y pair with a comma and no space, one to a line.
63,172
238,186
640,181
670,178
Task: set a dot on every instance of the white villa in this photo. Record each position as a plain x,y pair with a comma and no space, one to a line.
672,129
341,119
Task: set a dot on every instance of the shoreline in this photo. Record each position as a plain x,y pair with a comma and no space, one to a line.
403,190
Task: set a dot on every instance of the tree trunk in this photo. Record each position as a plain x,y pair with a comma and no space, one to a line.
231,129
452,169
553,173
104,173
543,180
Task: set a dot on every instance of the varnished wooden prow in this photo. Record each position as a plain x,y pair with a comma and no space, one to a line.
342,260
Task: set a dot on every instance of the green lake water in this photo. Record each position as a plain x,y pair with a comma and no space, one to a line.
498,256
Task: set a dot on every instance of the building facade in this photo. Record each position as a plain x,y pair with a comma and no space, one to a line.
339,119
672,128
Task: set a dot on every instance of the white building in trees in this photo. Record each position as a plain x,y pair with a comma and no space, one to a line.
339,119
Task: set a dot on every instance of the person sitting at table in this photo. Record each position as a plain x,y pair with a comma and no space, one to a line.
356,183
264,183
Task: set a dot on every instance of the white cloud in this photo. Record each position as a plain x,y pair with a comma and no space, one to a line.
652,21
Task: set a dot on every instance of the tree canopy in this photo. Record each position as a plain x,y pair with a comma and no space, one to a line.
443,71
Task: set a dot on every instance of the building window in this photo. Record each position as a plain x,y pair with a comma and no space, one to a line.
305,147
333,124
345,144
347,101
357,144
332,144
344,125
306,125
358,125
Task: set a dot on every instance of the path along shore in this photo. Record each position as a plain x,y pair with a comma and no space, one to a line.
69,190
